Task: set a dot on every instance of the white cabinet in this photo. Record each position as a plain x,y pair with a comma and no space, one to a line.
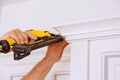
79,60
95,49
17,69
104,59
96,59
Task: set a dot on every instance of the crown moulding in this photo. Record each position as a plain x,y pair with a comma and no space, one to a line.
90,29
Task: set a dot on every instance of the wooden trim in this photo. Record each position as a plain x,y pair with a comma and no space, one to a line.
16,75
105,57
92,26
93,29
60,73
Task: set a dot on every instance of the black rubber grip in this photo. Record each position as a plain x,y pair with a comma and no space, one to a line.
5,46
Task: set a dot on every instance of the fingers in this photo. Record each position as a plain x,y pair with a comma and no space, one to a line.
19,36
23,37
63,44
20,39
55,51
31,36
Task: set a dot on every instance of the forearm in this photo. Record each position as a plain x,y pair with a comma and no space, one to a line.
40,71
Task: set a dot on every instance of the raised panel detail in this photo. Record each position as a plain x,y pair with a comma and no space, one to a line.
16,76
104,59
62,76
117,72
111,61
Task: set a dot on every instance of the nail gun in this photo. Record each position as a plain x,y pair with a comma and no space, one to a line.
44,38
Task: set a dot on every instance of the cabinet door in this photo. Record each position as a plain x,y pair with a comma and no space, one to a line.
79,60
104,59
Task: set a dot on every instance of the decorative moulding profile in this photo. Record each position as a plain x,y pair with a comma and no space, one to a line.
90,29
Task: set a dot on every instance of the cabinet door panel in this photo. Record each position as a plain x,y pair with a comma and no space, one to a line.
104,59
62,76
79,60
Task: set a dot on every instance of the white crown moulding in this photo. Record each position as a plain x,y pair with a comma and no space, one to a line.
90,29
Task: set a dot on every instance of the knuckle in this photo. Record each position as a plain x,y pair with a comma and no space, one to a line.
25,36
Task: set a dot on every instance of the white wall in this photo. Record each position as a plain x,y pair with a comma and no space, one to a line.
44,13
0,9
10,2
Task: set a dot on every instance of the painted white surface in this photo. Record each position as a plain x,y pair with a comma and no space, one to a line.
0,9
92,29
4,73
104,57
11,2
89,27
94,50
79,60
96,58
49,13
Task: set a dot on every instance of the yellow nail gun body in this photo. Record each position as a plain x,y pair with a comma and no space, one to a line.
44,38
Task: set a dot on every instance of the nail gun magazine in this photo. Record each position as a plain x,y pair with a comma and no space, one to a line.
44,38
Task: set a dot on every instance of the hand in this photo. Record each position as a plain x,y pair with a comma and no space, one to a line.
18,35
55,51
